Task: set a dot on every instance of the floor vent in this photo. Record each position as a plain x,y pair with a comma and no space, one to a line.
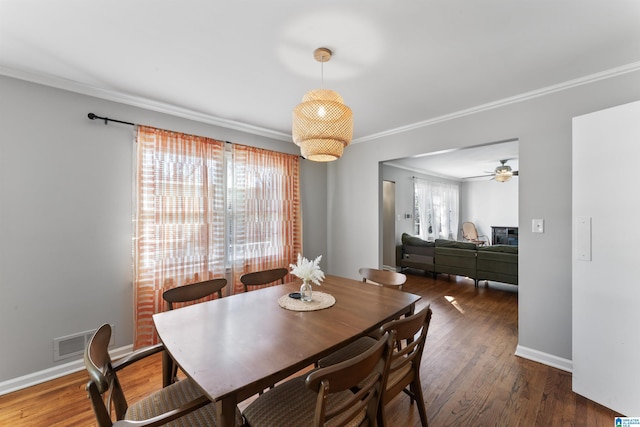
73,345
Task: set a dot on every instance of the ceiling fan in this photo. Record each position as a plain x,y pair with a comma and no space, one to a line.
503,173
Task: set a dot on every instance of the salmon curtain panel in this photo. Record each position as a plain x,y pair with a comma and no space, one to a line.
266,215
179,231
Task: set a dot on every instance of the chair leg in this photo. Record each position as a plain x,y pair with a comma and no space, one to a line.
174,372
381,415
416,388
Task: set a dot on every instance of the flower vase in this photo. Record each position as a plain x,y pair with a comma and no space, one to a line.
305,291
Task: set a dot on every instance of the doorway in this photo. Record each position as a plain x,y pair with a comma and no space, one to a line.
389,225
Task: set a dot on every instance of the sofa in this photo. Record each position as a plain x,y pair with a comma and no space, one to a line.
498,262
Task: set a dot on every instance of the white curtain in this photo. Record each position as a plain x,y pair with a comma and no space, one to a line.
437,209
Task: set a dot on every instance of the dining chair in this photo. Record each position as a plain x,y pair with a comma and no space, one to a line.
194,291
263,277
404,371
181,403
326,396
188,293
387,278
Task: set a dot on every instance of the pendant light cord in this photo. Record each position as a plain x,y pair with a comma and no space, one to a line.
322,73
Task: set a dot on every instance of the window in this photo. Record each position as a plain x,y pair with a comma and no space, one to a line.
436,209
207,209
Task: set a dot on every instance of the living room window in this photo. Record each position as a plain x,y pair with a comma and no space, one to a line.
436,209
207,209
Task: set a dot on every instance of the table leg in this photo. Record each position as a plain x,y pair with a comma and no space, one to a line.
167,368
226,410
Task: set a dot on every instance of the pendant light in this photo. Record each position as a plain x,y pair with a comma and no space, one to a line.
322,124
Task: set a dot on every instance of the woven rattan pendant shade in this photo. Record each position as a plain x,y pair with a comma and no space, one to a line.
322,125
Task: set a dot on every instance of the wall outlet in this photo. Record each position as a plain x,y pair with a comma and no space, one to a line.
537,225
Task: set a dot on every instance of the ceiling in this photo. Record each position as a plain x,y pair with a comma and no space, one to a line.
245,64
474,163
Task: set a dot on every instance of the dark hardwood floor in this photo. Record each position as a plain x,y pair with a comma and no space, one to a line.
470,374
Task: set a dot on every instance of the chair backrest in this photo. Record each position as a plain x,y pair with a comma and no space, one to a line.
411,336
469,231
367,372
194,291
103,379
386,278
263,277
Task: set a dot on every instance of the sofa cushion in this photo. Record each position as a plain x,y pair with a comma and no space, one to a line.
408,239
499,248
444,243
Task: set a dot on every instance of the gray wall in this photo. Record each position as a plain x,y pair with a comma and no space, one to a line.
543,127
65,216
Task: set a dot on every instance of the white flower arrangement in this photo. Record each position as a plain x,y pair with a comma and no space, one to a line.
308,270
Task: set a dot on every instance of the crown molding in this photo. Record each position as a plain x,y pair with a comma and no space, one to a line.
140,102
268,133
629,68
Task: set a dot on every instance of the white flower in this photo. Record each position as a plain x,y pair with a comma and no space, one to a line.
308,270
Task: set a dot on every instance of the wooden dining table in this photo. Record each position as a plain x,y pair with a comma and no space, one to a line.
237,346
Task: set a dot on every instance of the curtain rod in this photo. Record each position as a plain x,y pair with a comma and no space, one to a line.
107,119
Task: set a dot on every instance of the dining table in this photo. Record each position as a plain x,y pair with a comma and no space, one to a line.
239,345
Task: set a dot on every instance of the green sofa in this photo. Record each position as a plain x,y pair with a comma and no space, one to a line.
498,263
416,253
457,258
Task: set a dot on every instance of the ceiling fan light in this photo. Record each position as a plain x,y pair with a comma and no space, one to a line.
504,176
504,169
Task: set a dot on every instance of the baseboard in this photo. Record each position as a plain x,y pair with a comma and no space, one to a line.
545,358
49,374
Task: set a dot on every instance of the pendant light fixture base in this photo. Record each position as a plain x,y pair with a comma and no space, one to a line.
322,54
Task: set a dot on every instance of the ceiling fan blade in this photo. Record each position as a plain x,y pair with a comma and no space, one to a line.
479,176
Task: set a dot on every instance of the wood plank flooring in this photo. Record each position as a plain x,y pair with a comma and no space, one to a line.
470,374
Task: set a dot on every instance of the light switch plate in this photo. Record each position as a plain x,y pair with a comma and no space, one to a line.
537,225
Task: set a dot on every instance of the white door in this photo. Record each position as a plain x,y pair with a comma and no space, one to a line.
606,258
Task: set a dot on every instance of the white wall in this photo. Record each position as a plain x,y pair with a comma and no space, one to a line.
489,203
543,126
65,216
